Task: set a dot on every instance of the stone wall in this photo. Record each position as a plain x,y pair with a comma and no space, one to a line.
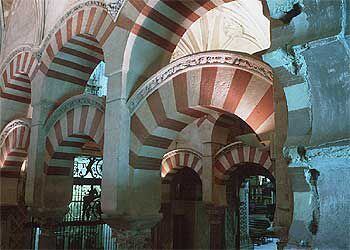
321,208
333,186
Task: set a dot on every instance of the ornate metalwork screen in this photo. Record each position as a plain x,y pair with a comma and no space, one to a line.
83,227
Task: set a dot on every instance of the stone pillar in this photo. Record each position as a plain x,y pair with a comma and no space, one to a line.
130,197
35,177
205,132
284,199
116,170
216,215
144,204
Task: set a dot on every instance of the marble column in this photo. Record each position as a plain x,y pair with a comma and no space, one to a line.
35,179
216,215
115,182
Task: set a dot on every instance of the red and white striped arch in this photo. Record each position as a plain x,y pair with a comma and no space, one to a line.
164,22
16,84
180,158
70,134
157,25
191,95
14,149
227,160
75,49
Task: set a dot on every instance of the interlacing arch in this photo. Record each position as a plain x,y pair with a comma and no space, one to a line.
15,80
74,49
76,125
168,106
229,158
14,143
180,158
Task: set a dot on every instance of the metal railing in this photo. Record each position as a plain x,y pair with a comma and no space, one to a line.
82,227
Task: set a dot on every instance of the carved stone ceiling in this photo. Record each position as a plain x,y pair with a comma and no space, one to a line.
237,26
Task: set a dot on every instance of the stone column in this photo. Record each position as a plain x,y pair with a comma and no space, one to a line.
35,178
216,215
284,199
116,170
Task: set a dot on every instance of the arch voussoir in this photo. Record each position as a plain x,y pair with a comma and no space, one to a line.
198,85
229,158
75,125
181,158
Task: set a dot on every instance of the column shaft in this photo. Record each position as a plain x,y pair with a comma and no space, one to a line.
115,181
216,216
